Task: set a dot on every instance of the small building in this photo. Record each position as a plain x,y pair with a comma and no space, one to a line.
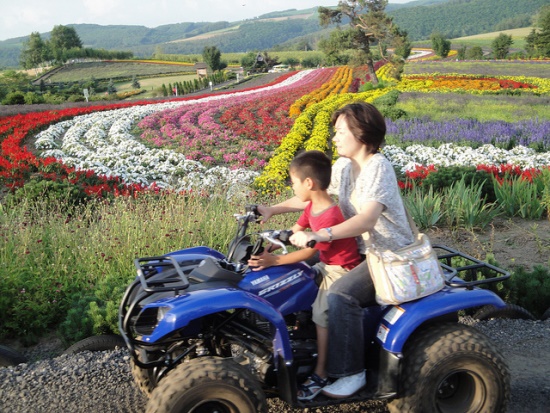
202,69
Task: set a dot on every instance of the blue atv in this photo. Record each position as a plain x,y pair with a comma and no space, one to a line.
207,334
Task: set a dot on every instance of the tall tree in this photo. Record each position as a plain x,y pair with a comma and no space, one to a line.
368,24
63,38
34,52
212,57
440,45
538,41
501,46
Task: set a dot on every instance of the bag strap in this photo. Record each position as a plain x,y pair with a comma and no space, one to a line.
412,224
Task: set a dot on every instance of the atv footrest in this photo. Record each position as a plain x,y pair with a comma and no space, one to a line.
149,266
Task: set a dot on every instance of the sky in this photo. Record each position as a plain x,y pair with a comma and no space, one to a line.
22,17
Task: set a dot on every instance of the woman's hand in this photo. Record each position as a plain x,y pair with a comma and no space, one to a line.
266,213
262,261
301,238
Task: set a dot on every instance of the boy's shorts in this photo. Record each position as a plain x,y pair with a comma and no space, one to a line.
330,274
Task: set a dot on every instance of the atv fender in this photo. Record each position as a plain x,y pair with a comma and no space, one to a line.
402,320
204,251
180,311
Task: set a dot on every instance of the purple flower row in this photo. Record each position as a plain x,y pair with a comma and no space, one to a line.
531,133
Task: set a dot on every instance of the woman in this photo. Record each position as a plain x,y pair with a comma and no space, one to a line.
369,197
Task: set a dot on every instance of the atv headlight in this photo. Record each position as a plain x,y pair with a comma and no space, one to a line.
148,319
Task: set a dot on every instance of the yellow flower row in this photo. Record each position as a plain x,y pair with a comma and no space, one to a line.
311,131
385,72
339,83
475,84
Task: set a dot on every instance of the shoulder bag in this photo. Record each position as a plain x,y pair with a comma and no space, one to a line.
407,274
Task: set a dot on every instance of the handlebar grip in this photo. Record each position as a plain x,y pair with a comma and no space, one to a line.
254,209
285,235
311,243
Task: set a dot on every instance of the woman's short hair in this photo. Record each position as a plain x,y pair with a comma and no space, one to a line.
365,122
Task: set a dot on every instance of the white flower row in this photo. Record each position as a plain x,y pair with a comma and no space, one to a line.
449,154
101,141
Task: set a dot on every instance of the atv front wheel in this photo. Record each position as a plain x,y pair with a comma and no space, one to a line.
208,385
144,378
450,368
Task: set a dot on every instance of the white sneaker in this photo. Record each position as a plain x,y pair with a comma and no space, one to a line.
345,386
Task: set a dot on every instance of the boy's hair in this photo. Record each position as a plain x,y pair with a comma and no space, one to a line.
312,164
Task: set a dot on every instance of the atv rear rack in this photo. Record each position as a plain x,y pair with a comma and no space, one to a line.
467,274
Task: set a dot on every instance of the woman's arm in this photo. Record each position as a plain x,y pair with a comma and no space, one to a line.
293,204
353,227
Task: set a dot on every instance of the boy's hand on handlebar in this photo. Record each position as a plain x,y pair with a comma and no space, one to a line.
261,262
304,239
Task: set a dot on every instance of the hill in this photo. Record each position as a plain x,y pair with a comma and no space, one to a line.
290,28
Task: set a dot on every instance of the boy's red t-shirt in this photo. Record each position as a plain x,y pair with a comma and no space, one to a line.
343,252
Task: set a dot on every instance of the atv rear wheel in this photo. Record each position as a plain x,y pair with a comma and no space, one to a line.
208,385
97,343
490,312
10,357
451,368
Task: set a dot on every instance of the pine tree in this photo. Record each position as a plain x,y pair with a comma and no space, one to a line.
501,46
111,89
135,83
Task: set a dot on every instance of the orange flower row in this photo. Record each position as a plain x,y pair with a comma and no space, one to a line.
339,83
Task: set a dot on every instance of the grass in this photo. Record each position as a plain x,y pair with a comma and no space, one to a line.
235,58
106,70
485,40
53,259
152,85
441,107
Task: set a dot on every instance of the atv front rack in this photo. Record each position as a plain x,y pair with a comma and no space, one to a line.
148,266
467,271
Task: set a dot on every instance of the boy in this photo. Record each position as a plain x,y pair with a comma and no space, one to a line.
310,173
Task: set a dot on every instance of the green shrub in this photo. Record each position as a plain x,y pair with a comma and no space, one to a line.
76,98
39,190
447,176
389,99
32,98
14,98
393,113
53,98
529,289
77,324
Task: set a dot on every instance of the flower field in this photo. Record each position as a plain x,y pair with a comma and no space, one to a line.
246,139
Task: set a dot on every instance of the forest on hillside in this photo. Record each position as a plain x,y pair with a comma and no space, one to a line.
458,18
452,18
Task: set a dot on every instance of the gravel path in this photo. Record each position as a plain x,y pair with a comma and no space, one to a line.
102,382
